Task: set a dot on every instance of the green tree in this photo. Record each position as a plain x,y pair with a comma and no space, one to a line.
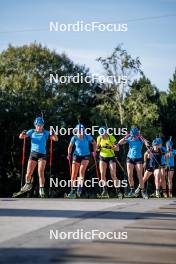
120,64
172,85
167,106
141,106
25,92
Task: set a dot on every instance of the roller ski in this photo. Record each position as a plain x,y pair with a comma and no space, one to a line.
71,195
103,195
25,189
153,195
139,192
144,195
156,194
131,194
119,194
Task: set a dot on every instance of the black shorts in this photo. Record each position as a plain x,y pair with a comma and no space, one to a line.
170,168
134,161
37,156
108,160
79,159
152,169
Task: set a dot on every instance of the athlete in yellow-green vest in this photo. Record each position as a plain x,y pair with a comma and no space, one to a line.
107,145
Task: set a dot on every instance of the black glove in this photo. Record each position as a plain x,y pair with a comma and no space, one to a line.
108,147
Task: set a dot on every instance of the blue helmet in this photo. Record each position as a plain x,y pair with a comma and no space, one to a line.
169,143
80,127
134,132
155,142
102,131
159,140
39,121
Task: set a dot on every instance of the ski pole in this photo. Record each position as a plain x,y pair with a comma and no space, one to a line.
120,165
51,155
91,168
23,160
96,166
70,165
168,151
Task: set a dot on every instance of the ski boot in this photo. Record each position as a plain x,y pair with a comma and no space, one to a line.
79,192
26,188
72,194
119,194
164,195
144,195
131,194
42,193
158,194
170,194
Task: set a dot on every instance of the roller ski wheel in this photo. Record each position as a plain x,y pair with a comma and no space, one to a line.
153,195
99,196
131,194
125,195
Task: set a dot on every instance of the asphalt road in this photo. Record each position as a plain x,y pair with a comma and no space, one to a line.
87,231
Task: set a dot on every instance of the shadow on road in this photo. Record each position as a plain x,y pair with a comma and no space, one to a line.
108,214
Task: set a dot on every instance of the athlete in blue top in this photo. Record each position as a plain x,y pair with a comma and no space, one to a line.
38,140
81,146
134,159
170,163
81,156
135,149
162,180
39,137
152,161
